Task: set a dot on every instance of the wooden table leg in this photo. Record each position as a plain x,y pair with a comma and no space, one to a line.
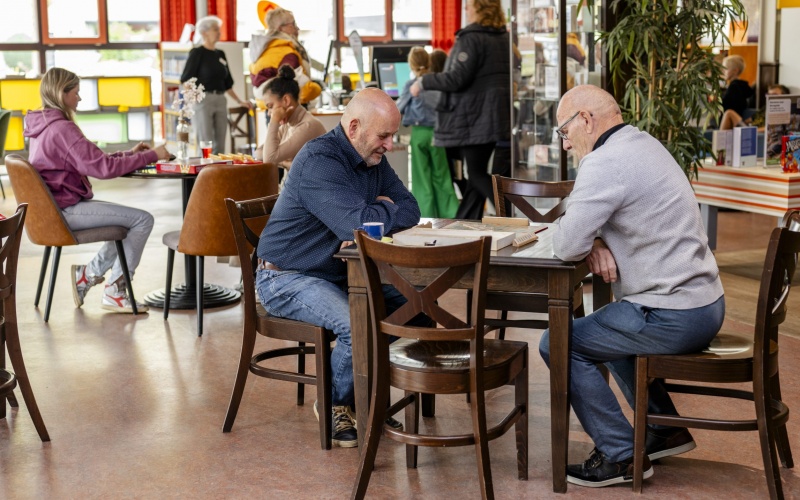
560,309
360,340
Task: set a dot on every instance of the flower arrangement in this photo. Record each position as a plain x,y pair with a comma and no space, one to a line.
190,94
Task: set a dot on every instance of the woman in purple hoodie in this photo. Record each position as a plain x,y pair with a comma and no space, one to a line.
65,158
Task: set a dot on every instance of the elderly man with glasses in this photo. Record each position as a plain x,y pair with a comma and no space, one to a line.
633,216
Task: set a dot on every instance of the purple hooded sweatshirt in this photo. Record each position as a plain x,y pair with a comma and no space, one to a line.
64,157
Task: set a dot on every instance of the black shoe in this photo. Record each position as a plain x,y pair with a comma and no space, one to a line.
662,443
344,428
596,472
394,424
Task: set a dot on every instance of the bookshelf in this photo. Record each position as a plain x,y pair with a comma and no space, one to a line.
173,60
556,52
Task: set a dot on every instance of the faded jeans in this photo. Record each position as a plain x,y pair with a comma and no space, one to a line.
292,295
614,335
89,214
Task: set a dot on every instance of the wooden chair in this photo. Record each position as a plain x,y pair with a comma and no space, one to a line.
256,320
732,359
452,359
242,126
11,234
206,228
516,191
5,119
47,227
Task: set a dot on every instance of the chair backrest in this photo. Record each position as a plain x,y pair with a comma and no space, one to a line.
449,264
776,281
516,190
46,224
5,119
248,219
11,235
242,126
206,225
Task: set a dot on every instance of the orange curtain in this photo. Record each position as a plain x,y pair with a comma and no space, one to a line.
446,21
174,14
225,10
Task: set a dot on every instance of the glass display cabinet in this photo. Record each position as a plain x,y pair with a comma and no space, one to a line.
556,48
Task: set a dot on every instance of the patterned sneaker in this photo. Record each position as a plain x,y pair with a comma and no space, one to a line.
116,299
82,283
344,428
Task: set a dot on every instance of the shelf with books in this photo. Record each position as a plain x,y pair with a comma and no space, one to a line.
558,49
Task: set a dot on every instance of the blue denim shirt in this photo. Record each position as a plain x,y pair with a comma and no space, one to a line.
329,192
420,110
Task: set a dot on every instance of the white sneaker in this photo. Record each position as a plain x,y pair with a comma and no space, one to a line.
115,299
81,283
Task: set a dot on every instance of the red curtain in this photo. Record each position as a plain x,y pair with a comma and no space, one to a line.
446,21
225,10
174,14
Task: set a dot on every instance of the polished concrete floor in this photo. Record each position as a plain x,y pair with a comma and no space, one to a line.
134,405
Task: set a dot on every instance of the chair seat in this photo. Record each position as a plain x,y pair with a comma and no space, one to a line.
105,233
171,239
729,358
412,361
287,329
7,382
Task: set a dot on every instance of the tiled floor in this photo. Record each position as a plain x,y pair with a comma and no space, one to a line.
135,406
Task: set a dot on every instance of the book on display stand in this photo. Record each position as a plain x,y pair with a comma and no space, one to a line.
781,119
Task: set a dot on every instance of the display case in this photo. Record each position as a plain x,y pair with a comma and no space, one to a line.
173,60
556,49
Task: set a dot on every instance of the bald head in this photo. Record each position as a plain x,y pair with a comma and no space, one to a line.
584,114
370,121
367,104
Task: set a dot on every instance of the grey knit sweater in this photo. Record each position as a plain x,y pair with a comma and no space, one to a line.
632,193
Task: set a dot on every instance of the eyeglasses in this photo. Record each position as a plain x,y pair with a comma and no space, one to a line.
292,24
560,130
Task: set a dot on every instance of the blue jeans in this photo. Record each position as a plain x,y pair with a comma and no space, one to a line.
292,295
614,335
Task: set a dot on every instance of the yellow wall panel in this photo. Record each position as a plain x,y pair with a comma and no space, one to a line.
14,139
132,92
20,95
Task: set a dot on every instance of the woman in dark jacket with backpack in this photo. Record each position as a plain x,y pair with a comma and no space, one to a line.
473,112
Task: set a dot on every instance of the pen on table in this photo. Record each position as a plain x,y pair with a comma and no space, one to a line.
540,230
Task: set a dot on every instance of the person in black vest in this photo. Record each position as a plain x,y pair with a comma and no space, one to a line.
210,66
473,112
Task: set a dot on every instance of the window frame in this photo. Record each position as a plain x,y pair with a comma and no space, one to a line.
102,27
388,23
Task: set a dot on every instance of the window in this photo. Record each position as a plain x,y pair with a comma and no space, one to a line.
368,17
73,21
136,21
412,19
22,27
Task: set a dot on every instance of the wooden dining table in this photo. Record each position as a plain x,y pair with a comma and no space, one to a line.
531,268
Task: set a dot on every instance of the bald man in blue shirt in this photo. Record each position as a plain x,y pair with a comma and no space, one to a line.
337,182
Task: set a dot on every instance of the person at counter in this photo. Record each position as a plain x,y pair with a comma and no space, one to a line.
337,182
210,66
633,216
65,158
290,126
473,113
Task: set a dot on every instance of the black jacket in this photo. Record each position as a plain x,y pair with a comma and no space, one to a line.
474,106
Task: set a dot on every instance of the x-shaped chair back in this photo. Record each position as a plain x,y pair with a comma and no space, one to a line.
398,266
516,190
